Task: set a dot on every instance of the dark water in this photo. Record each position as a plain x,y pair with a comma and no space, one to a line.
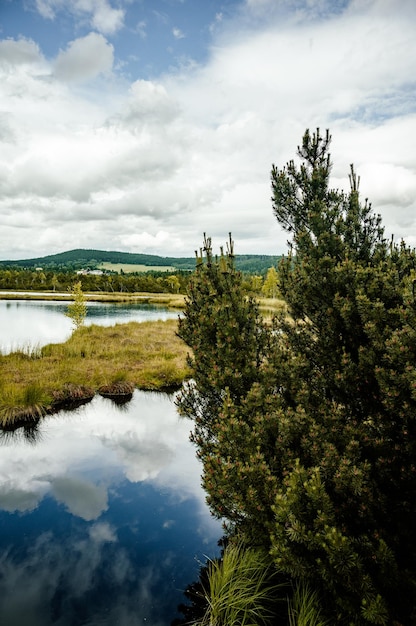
34,323
102,517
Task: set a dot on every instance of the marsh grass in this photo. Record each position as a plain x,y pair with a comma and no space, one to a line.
146,355
305,609
269,307
172,300
242,588
24,403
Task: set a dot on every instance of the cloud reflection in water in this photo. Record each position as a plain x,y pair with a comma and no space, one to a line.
103,519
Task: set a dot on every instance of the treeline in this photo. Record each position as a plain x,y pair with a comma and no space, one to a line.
73,260
152,282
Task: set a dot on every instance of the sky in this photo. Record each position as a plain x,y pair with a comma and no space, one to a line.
140,125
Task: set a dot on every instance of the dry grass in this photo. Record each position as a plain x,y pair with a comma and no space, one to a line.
271,306
146,355
172,300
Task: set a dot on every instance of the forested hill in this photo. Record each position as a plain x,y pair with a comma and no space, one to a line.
75,259
80,258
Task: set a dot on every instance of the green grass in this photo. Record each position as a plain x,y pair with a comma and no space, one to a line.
241,588
28,403
146,355
271,306
305,609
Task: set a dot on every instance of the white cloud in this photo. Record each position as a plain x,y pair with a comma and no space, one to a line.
141,29
102,532
47,8
147,242
85,58
21,52
157,163
55,565
177,33
154,448
148,102
15,499
161,17
140,453
100,14
106,19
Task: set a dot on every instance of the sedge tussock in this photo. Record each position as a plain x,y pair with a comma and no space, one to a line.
241,588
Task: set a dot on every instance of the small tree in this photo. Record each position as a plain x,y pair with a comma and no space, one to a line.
173,283
77,310
271,283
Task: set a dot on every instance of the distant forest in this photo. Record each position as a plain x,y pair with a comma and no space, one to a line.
74,260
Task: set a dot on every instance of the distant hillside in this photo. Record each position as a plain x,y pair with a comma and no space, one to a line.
77,259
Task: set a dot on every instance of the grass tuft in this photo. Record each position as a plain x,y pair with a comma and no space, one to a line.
27,402
304,607
241,588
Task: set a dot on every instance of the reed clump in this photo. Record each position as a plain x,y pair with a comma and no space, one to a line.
114,359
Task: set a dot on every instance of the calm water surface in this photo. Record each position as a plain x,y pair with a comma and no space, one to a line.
102,518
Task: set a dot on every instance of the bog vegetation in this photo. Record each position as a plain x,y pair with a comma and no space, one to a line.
306,426
109,360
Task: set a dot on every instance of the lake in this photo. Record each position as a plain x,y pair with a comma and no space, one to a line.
102,517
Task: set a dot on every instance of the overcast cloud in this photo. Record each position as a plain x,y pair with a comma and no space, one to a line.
96,154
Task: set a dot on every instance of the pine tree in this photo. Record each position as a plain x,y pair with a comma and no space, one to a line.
307,427
354,336
228,338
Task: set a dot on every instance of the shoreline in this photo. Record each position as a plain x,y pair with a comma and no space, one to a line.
172,300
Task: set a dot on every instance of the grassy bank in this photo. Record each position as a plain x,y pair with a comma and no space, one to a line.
116,359
268,306
172,300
